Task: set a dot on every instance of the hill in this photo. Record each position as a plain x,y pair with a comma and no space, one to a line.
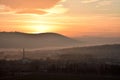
43,40
97,54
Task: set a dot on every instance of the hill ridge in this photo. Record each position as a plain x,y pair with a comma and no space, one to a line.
50,39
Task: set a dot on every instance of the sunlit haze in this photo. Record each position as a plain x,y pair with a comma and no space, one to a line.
68,17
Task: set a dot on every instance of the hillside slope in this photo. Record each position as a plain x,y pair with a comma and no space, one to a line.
23,40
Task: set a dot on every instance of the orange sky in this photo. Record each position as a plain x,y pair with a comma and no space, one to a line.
68,17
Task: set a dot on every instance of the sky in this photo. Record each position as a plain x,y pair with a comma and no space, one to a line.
69,17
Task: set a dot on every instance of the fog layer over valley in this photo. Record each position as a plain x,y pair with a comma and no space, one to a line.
93,54
93,40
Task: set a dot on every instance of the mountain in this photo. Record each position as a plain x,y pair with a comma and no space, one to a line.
42,40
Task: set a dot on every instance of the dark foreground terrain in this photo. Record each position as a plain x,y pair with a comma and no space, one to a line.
88,63
56,76
57,70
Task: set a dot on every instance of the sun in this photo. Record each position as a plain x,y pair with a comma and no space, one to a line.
41,29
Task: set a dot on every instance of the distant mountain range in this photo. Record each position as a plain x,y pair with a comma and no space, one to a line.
42,40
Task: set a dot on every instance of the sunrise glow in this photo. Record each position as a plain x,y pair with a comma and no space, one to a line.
40,28
69,17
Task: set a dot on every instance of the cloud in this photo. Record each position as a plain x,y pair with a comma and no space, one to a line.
27,11
29,6
100,2
88,1
105,3
58,9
